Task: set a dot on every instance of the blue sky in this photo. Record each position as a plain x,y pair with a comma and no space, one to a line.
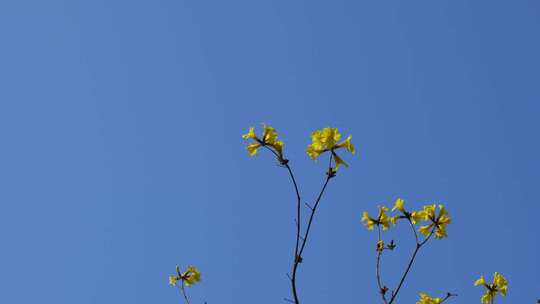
122,156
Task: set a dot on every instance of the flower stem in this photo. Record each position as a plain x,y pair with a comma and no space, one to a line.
184,292
302,241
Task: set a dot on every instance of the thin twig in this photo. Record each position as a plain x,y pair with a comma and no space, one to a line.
418,246
300,250
184,292
382,290
297,255
414,230
300,241
448,296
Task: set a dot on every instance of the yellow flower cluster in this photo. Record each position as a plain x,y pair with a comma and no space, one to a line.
437,222
188,278
499,285
382,219
425,299
269,138
326,140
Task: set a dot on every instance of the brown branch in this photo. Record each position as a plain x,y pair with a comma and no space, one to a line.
299,250
382,290
414,230
448,296
296,246
300,241
411,261
184,292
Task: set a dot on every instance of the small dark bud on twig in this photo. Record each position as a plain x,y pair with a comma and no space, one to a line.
392,245
331,172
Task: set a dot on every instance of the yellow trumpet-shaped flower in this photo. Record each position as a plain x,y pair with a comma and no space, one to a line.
414,217
394,219
417,216
399,205
253,148
278,145
480,281
498,286
382,219
269,135
191,276
438,222
370,222
425,299
188,278
250,134
173,280
269,139
326,140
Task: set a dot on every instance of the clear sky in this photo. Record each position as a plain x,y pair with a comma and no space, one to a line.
122,156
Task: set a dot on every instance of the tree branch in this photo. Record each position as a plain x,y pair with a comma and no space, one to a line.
418,246
300,249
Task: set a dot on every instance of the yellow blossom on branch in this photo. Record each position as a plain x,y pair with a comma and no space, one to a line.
425,299
326,140
438,221
269,139
415,216
370,222
173,280
191,276
399,205
499,285
188,278
418,216
382,219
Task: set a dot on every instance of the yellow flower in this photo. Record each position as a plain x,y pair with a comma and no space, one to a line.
399,205
269,135
252,148
339,161
250,134
172,280
425,299
382,219
269,139
325,140
480,281
425,230
313,152
414,217
418,216
369,221
347,145
191,276
438,222
278,145
499,285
